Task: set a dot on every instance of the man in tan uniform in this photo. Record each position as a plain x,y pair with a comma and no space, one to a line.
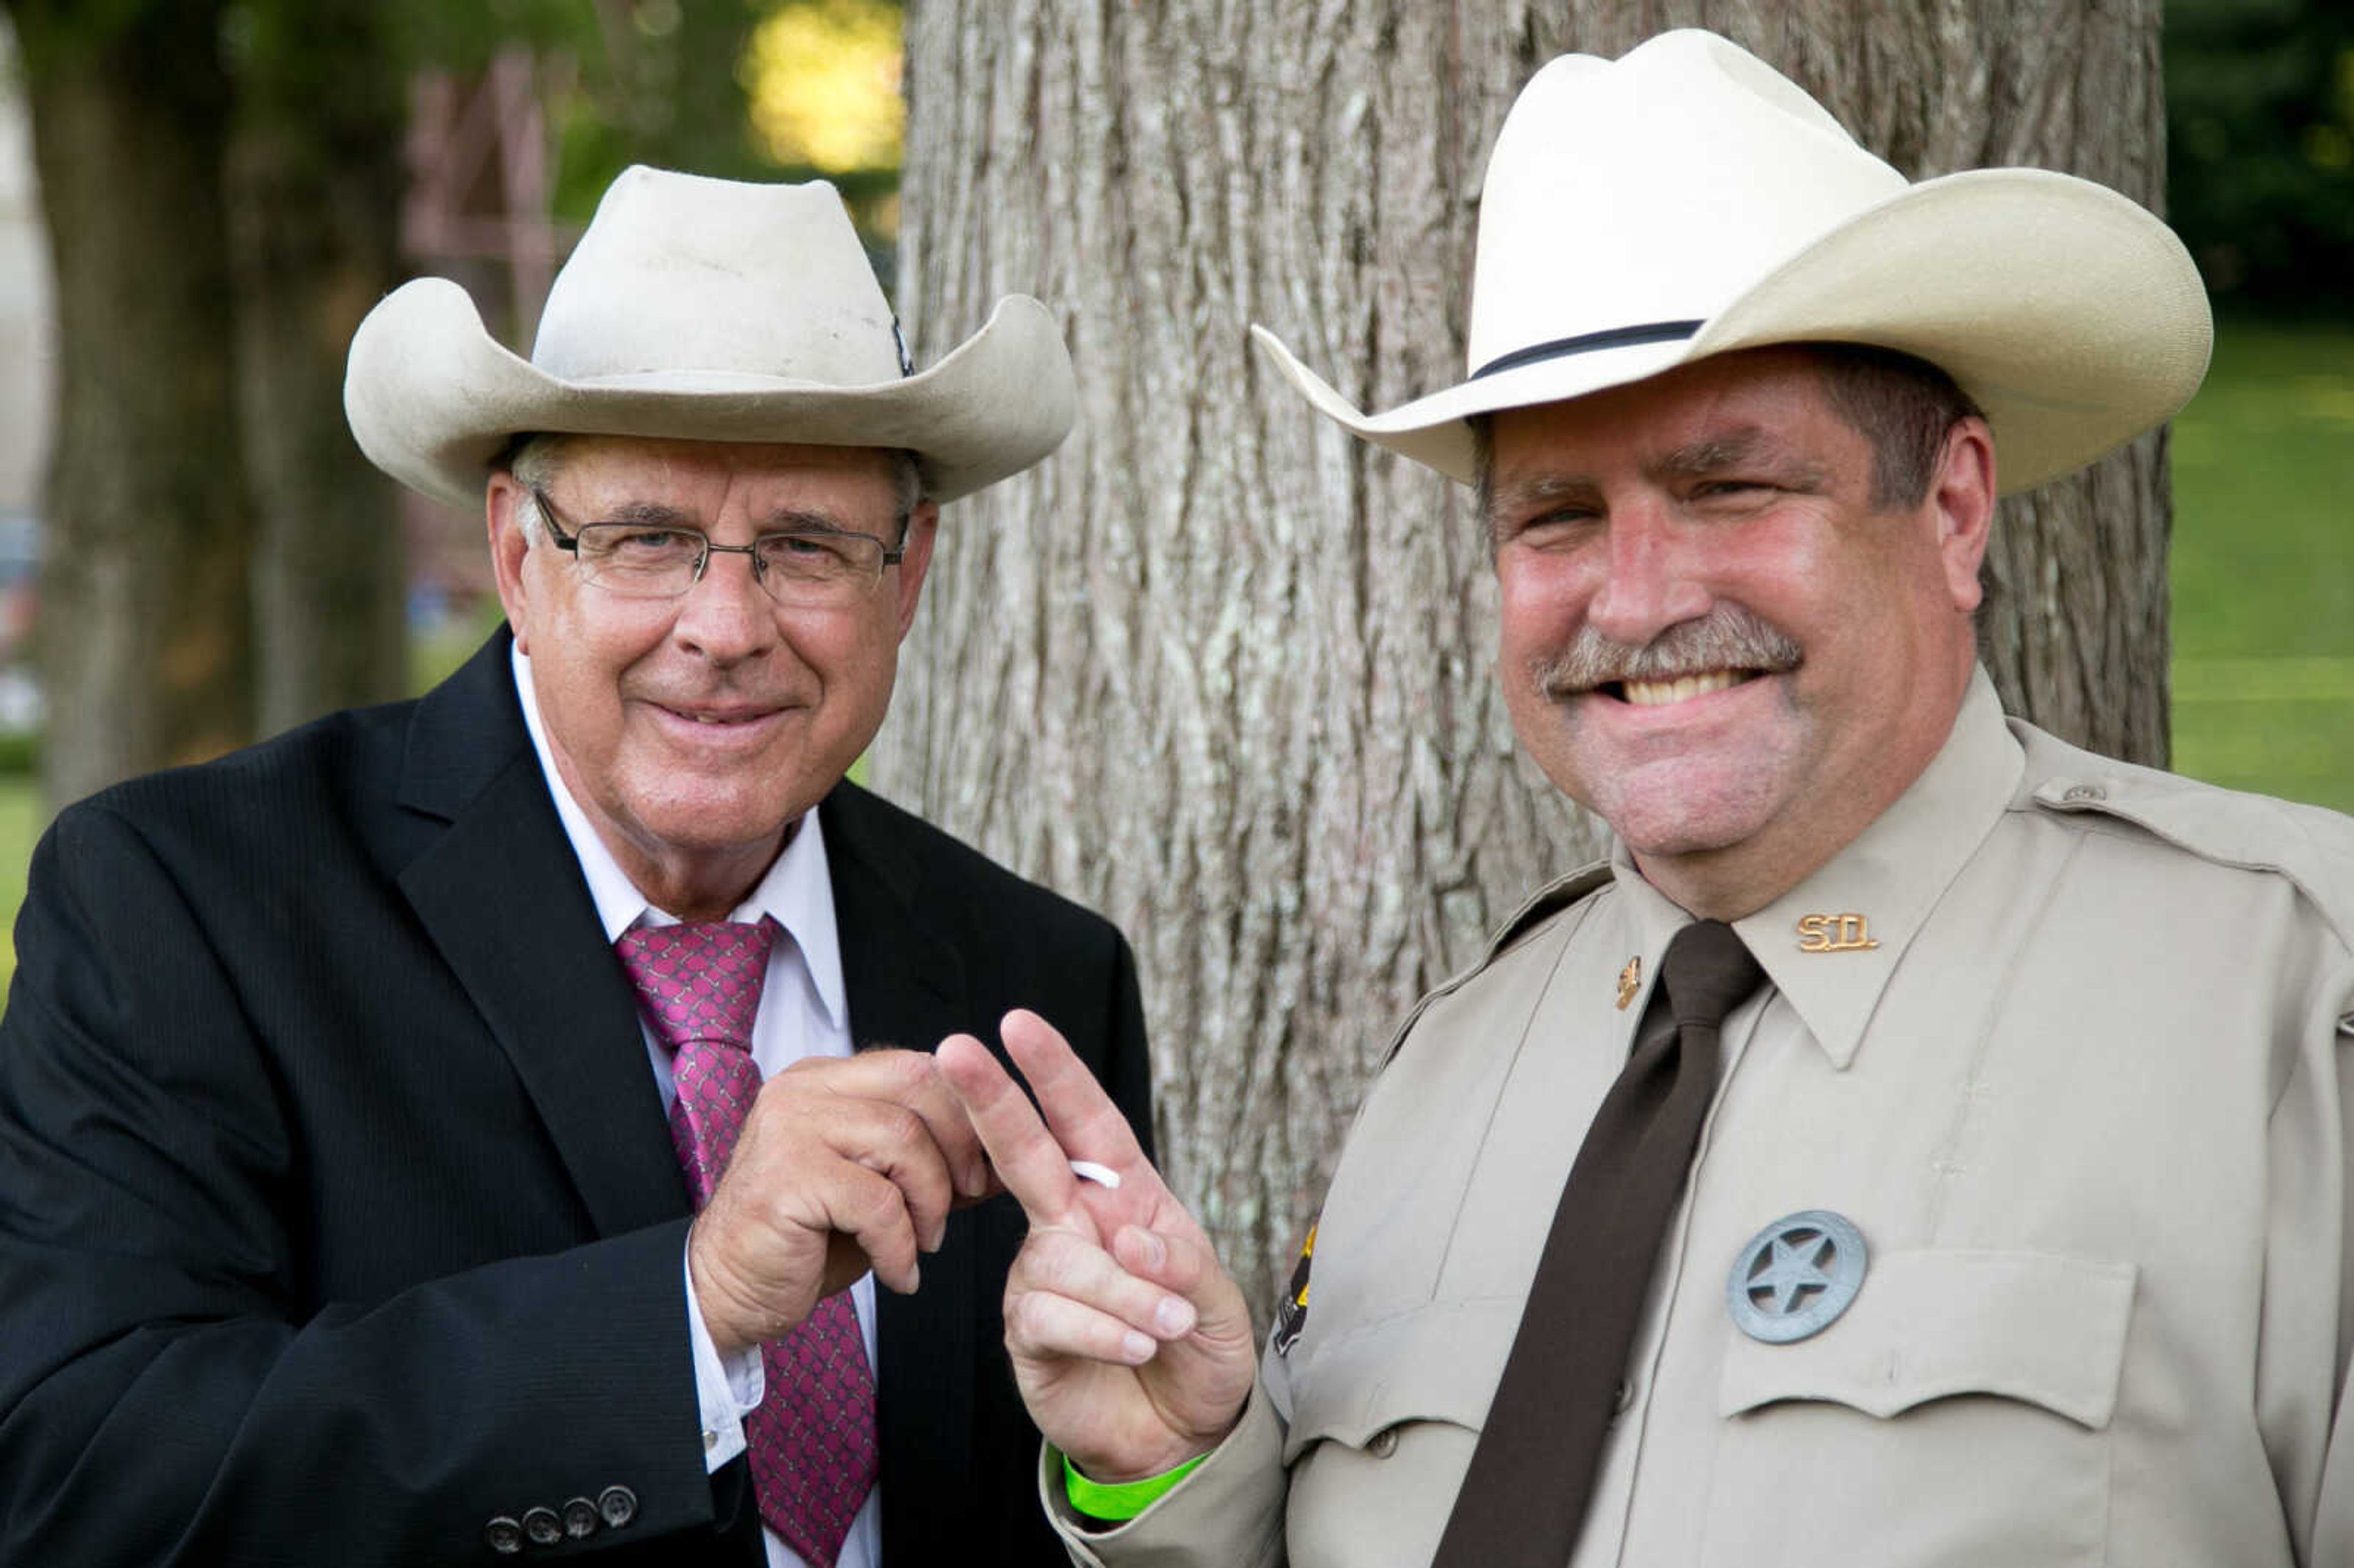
2013,1228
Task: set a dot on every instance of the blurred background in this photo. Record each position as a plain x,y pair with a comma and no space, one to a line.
365,141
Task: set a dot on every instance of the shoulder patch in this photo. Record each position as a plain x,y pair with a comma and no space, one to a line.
1292,1315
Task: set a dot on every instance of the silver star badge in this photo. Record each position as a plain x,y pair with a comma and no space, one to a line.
1796,1277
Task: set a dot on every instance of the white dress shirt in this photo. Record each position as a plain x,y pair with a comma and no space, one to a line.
803,1012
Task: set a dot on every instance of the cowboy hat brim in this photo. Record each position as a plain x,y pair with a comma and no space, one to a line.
2071,316
433,399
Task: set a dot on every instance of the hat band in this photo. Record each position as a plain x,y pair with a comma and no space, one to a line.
1587,343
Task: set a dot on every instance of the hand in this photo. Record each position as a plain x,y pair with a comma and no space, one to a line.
844,1165
1132,1348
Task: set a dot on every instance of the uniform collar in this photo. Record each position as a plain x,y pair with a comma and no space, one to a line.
1878,890
797,890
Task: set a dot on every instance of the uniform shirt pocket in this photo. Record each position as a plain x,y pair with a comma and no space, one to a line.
1958,1412
1383,1419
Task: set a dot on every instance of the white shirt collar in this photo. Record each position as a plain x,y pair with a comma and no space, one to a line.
797,890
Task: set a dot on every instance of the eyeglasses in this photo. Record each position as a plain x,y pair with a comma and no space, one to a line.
814,567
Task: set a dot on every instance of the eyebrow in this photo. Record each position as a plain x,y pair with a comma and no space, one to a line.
1540,490
1742,447
786,520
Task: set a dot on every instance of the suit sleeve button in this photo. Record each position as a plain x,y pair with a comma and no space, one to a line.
581,1519
618,1505
504,1535
542,1527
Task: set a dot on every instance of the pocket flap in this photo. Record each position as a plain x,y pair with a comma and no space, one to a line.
1437,1362
2038,1326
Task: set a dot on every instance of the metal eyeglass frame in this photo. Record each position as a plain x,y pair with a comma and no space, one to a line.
892,554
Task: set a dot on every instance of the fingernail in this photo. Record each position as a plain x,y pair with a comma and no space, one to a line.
1173,1317
1137,1348
1151,1248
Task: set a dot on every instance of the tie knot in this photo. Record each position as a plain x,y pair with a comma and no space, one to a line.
699,981
1707,973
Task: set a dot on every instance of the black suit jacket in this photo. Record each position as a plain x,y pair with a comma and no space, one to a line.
338,1214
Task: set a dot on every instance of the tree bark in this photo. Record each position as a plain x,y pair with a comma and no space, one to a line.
1224,672
314,182
145,613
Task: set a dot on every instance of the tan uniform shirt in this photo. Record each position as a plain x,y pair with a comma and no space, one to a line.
2062,1037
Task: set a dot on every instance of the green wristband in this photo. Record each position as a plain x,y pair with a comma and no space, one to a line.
1122,1499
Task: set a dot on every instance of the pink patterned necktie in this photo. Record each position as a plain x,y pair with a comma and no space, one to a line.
812,1441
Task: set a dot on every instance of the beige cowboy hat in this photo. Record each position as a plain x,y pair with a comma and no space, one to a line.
1687,200
704,310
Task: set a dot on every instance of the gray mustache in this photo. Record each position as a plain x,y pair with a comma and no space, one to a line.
1727,637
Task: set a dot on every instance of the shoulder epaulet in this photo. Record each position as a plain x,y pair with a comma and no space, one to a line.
1547,901
2311,846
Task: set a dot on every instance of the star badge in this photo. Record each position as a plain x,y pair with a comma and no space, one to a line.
1796,1277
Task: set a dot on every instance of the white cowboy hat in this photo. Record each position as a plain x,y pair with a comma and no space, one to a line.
1687,200
705,310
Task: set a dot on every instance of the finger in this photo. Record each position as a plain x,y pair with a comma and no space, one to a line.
1082,1117
1040,1325
1060,1263
1174,1262
929,1096
912,1079
1028,1160
896,1143
872,1210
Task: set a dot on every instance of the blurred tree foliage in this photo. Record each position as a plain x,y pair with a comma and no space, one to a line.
2259,110
222,182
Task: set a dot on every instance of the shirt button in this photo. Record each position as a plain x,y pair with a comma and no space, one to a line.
581,1519
618,1505
1384,1444
1623,1400
504,1535
2084,792
542,1527
710,1441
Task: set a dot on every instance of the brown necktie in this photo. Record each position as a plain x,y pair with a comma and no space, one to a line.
1533,1472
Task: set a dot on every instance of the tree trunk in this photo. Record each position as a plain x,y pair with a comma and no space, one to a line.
145,613
315,199
1224,673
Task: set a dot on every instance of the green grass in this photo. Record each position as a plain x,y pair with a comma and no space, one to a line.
2263,566
21,818
2264,584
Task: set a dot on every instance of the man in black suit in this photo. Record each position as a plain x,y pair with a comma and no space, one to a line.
342,1217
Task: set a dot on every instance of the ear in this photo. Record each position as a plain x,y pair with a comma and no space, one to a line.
1962,497
502,504
916,560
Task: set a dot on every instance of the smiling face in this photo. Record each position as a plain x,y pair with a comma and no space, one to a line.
694,732
1711,635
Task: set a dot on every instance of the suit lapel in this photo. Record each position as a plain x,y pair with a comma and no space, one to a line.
501,893
906,987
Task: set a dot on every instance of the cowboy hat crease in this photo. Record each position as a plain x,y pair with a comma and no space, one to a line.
705,310
2074,318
